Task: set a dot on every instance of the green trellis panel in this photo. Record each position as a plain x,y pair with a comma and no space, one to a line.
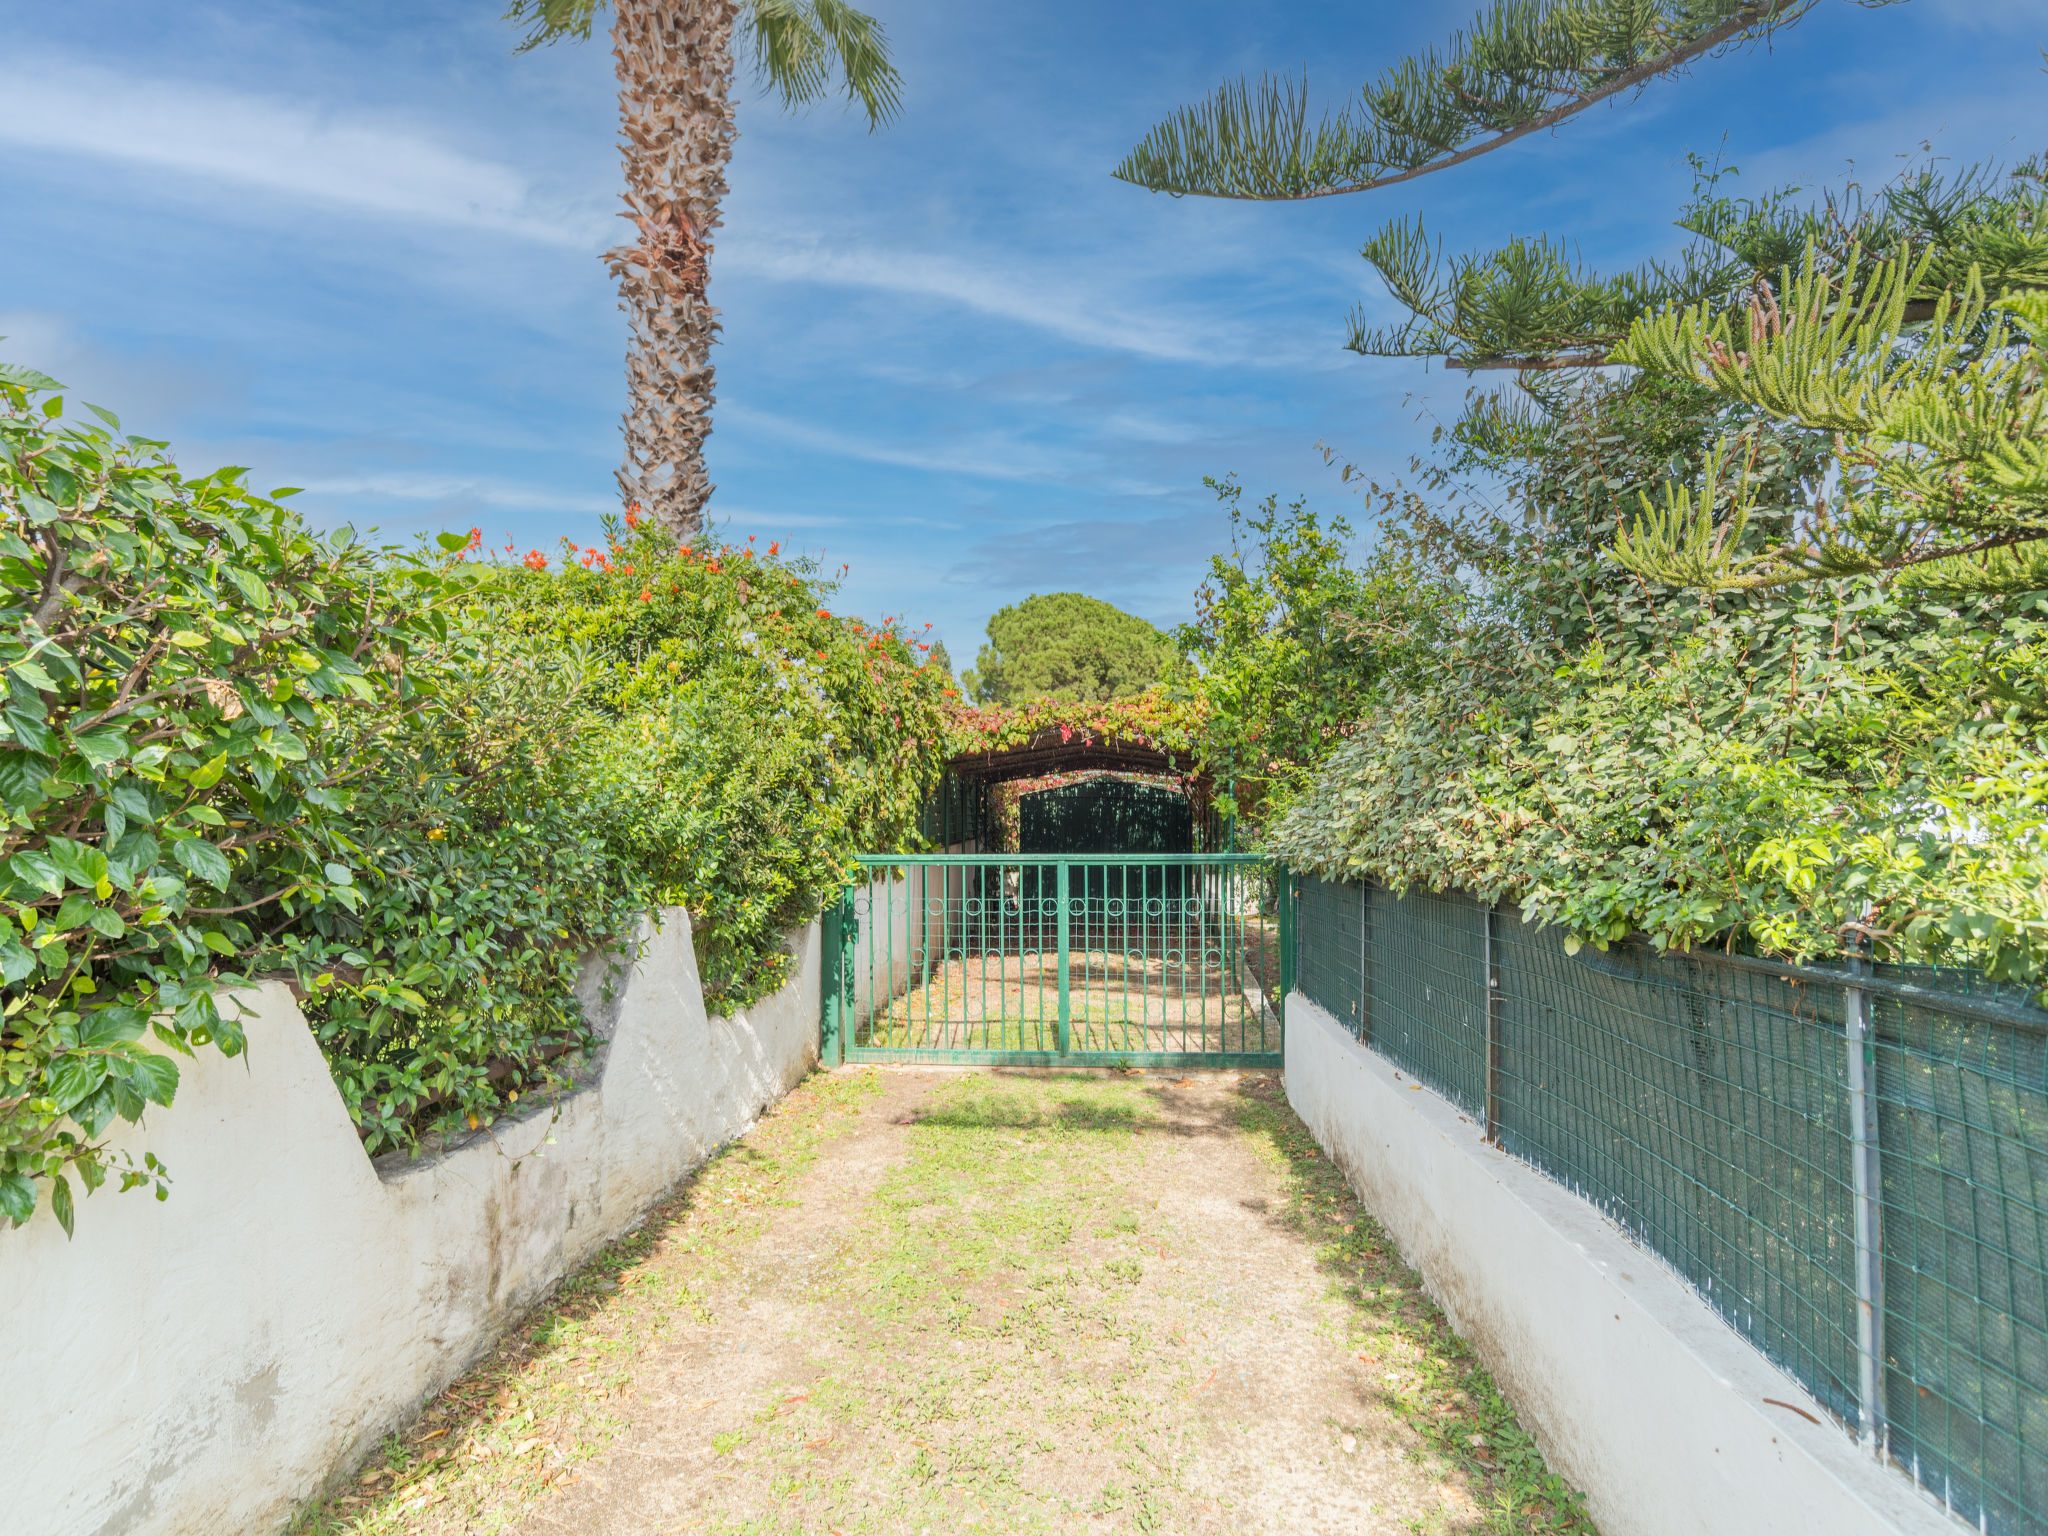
1705,1102
1084,960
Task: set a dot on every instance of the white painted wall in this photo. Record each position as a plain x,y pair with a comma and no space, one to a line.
1635,1390
205,1363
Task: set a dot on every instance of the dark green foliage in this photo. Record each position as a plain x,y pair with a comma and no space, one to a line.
744,742
182,656
1754,769
422,790
1291,644
1531,304
1522,66
447,991
1063,645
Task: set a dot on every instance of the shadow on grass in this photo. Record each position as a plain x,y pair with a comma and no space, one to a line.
1445,1394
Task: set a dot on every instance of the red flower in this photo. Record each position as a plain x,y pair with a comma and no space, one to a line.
646,596
775,548
476,538
588,556
536,561
633,515
823,614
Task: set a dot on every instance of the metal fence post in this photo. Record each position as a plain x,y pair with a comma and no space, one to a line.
1365,962
1864,1176
1493,1010
1066,1034
1285,903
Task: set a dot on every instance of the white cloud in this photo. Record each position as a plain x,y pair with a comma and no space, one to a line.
982,456
985,288
996,461
468,490
286,148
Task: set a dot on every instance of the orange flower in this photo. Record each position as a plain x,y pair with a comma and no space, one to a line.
625,570
536,561
646,596
775,548
823,614
633,515
588,556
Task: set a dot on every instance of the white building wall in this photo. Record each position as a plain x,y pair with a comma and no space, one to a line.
205,1363
1672,1423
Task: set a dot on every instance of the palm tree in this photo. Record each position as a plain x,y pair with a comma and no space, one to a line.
675,68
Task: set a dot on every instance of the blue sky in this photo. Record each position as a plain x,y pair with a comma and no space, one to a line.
355,247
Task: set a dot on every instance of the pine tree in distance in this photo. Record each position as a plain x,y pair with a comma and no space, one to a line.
675,70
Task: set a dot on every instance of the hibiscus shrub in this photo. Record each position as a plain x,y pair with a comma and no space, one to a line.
746,741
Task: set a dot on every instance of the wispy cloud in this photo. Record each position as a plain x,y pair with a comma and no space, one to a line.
983,459
987,456
989,288
329,158
462,490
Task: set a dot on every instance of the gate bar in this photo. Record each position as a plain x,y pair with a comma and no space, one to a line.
1066,1031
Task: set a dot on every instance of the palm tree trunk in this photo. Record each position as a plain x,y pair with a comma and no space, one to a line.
675,136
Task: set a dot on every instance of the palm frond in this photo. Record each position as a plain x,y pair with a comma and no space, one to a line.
804,49
549,21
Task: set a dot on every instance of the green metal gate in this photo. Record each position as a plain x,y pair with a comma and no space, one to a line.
1057,960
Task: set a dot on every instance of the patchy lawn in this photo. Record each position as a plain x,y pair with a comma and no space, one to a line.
923,1301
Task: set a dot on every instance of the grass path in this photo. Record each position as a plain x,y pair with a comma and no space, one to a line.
916,1301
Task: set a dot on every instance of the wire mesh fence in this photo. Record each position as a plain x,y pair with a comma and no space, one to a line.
1718,1108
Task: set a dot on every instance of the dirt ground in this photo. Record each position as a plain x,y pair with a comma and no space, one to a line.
927,1301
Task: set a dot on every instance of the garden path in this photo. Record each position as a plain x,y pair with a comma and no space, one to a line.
927,1301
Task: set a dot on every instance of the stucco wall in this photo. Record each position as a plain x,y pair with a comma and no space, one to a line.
204,1363
1635,1390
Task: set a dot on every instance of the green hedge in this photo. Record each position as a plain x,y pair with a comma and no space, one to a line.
419,784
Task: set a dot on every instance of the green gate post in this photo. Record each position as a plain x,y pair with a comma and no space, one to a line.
1287,897
832,985
828,990
1065,1034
